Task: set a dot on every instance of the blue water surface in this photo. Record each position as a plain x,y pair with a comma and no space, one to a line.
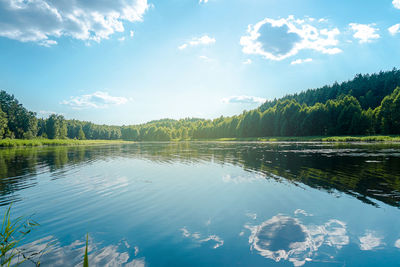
208,204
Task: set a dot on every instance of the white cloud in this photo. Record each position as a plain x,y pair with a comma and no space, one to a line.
47,43
131,34
98,99
365,33
396,4
203,40
121,39
247,62
43,20
244,99
181,47
206,59
395,29
283,38
370,241
300,61
397,243
203,1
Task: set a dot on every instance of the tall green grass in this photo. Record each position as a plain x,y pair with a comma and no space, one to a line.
12,233
373,138
85,258
55,142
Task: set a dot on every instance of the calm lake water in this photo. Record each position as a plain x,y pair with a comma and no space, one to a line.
209,204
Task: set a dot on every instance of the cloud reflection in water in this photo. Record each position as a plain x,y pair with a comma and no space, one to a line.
286,238
72,255
218,241
370,241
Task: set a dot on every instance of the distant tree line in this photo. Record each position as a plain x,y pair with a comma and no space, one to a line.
366,105
369,90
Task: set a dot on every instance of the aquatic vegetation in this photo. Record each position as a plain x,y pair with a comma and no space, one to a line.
12,234
85,259
56,142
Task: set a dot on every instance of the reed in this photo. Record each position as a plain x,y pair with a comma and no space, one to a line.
56,142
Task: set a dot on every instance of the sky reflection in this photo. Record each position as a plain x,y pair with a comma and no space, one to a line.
287,238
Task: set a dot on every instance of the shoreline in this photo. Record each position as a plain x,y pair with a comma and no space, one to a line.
9,143
328,139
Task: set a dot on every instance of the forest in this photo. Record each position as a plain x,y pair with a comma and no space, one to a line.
366,105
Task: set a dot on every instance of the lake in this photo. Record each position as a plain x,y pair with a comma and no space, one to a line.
209,204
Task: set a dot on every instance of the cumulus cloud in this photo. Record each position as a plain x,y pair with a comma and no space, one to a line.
300,61
206,59
203,1
244,99
42,21
395,29
283,38
98,99
396,4
365,33
397,243
203,40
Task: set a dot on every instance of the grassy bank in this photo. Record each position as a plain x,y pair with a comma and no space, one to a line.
73,142
56,142
372,138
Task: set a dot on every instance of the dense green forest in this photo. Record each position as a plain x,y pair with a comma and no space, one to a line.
366,105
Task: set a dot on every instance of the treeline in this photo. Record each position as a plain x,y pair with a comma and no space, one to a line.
368,89
367,105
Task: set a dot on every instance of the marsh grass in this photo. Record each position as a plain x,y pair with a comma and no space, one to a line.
372,138
12,234
85,258
56,142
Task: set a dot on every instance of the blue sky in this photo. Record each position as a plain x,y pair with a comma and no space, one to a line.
127,62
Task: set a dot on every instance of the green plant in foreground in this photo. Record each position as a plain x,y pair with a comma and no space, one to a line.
85,259
11,235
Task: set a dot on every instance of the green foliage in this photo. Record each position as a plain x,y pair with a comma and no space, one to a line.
3,123
11,235
85,258
369,90
56,127
21,123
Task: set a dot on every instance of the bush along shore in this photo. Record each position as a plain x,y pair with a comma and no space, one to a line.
57,142
373,138
73,142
